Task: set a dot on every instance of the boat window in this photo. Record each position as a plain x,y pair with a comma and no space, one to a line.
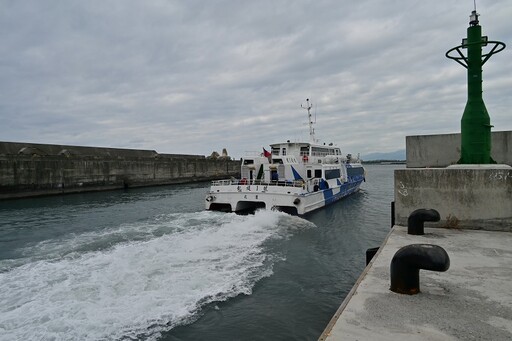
318,173
304,151
355,171
332,173
284,151
309,173
279,161
275,150
248,162
319,151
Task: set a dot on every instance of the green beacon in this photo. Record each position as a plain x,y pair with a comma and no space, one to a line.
475,123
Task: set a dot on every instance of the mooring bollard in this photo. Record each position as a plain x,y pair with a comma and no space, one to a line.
415,222
409,260
370,253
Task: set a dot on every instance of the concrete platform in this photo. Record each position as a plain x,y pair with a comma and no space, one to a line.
470,301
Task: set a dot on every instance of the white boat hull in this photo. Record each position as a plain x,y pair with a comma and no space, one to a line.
231,197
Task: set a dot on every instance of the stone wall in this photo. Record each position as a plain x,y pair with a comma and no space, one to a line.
38,169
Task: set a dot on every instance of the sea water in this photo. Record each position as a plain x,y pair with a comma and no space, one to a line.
151,264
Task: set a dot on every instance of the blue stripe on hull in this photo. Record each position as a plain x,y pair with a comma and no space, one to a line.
344,190
329,196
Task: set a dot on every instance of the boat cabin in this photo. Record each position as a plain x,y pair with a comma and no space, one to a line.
294,161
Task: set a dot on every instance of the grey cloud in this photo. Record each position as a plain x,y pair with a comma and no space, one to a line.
194,76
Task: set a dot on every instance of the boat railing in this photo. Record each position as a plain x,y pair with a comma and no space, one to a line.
246,182
252,153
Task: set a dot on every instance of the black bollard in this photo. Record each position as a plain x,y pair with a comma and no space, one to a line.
418,217
370,253
392,214
407,262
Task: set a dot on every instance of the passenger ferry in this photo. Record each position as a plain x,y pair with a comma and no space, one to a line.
294,177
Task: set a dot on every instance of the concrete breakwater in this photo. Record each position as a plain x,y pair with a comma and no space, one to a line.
28,169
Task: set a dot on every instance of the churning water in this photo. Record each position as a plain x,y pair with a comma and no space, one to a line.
150,264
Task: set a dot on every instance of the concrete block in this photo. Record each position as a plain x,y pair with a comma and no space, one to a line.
444,150
469,197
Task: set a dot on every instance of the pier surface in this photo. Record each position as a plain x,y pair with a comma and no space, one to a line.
470,301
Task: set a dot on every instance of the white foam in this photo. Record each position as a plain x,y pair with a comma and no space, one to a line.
161,278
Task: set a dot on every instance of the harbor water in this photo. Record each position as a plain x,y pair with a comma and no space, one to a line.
151,264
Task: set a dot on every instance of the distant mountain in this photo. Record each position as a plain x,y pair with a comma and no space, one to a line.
397,155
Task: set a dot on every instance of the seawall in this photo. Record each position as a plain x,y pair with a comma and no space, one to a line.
28,169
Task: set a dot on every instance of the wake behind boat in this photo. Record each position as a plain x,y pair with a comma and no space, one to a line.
294,177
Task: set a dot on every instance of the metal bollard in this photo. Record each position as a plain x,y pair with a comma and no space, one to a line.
407,262
417,218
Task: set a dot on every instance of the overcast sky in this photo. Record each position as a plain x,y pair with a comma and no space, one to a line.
196,76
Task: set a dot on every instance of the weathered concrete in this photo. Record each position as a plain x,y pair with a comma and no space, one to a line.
36,169
472,196
21,148
470,301
444,150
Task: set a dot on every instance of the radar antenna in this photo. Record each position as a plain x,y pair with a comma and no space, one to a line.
308,107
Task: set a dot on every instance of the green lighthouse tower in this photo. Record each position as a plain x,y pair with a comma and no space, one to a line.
475,122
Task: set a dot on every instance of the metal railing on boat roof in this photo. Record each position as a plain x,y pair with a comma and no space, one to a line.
245,182
252,153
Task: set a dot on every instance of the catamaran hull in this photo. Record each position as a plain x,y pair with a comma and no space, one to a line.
233,198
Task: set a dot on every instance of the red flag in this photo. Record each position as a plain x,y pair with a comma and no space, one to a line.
266,153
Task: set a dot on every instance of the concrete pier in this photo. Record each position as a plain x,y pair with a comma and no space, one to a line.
28,169
472,300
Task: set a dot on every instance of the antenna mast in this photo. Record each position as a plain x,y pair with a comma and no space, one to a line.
310,120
